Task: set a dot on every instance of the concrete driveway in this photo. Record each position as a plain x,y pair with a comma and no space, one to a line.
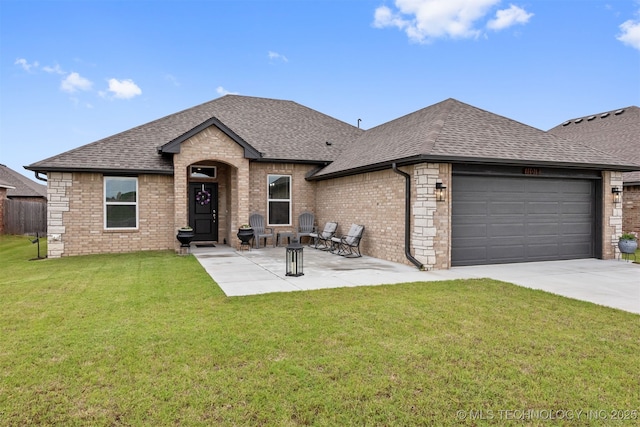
610,283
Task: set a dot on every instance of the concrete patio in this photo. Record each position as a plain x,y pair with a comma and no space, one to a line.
611,283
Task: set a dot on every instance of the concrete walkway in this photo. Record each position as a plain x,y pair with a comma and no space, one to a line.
611,283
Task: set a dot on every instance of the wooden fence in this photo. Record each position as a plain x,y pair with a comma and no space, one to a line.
24,217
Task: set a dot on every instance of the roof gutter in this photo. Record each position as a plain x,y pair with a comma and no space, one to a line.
407,217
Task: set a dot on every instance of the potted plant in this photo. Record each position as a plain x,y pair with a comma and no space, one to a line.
245,234
628,243
185,235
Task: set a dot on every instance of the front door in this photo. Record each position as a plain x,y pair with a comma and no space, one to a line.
203,210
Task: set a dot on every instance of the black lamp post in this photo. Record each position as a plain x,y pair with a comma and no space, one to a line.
294,259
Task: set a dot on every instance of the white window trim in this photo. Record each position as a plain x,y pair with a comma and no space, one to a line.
105,203
290,200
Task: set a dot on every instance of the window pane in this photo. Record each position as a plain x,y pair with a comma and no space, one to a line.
121,216
203,171
279,187
279,213
120,190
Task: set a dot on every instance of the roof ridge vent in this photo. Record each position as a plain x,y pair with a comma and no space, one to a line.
568,122
603,115
577,120
618,112
590,118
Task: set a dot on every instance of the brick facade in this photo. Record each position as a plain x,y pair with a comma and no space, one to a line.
631,209
374,199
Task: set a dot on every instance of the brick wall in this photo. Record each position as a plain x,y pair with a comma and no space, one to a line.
302,191
213,147
631,209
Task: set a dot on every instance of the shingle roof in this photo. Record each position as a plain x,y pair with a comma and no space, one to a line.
286,131
282,130
616,132
24,187
454,131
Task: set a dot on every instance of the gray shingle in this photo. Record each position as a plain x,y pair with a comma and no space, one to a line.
454,131
24,187
616,132
278,129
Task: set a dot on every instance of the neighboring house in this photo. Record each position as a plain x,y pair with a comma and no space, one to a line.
22,203
512,193
616,132
4,187
23,187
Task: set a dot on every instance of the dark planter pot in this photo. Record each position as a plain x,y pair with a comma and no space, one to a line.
245,235
185,237
628,246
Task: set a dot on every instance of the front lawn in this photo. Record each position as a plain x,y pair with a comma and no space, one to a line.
150,339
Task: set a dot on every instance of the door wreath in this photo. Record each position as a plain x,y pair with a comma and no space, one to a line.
203,197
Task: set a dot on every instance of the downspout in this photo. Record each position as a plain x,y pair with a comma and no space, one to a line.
407,217
39,177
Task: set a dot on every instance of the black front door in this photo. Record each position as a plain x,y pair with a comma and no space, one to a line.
203,211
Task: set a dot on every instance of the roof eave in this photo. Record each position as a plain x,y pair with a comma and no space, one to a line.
107,171
470,160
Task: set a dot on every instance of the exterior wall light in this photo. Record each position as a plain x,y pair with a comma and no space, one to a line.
617,195
294,259
441,192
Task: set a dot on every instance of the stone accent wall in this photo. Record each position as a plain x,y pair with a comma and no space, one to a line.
58,192
612,227
631,209
432,224
302,191
212,146
3,196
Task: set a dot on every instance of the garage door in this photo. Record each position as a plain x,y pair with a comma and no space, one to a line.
521,219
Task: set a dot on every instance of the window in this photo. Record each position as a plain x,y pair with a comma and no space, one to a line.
203,171
120,202
279,199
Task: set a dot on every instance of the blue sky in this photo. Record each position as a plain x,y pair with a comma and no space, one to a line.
73,72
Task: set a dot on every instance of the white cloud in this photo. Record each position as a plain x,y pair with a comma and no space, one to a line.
74,82
54,70
124,89
426,20
630,33
276,55
222,91
25,65
508,17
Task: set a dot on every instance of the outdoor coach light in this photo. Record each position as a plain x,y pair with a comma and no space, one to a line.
441,192
617,195
294,258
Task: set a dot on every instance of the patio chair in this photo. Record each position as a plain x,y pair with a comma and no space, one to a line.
348,245
325,237
305,225
256,221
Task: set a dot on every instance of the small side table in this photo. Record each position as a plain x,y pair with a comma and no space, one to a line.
282,235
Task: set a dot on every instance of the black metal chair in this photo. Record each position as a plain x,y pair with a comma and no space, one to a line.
325,237
348,245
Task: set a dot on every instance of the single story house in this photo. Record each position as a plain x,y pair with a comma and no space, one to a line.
447,185
616,132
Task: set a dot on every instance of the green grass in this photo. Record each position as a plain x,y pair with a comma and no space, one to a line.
150,339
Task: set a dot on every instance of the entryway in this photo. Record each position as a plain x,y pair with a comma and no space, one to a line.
203,211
